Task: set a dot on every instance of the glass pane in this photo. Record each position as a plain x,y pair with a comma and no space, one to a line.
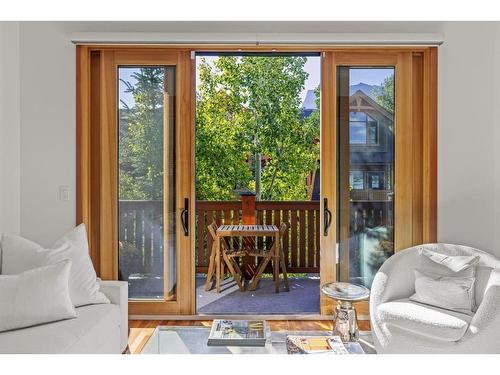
365,211
357,133
376,180
356,180
357,116
372,133
146,214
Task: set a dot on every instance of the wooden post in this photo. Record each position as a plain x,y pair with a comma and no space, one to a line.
248,212
248,207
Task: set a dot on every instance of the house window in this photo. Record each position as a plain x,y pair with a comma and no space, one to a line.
375,180
356,180
363,130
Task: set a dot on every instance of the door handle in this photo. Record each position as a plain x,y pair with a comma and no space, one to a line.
185,217
327,217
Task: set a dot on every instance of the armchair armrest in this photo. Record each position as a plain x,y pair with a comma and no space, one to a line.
487,316
117,292
395,278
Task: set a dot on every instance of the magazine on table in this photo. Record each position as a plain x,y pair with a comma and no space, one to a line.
315,345
237,333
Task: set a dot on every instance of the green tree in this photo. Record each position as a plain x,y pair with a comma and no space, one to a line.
141,137
385,96
221,117
248,108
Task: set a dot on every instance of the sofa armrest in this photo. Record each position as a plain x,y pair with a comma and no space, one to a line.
117,292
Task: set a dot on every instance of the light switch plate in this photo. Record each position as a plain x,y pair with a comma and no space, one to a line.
64,193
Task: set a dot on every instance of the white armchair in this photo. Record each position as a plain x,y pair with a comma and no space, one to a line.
402,326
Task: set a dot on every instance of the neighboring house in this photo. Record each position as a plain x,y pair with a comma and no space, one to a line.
371,146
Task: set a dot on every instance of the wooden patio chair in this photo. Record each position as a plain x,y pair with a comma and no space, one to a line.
228,258
268,254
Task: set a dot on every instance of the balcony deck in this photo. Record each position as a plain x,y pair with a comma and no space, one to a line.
141,254
303,298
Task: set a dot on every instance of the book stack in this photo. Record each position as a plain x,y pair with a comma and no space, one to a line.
237,333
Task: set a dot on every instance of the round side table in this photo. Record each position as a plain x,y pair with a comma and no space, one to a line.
346,324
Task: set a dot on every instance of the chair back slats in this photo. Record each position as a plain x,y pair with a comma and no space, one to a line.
212,228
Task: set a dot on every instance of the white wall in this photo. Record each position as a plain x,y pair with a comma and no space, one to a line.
9,128
469,82
496,107
467,186
48,113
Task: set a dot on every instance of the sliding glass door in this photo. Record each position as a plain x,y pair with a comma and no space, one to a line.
136,165
365,173
378,160
146,181
146,135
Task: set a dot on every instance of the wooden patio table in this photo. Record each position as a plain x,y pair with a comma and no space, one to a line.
248,231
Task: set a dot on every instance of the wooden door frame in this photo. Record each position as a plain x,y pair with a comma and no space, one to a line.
415,180
97,137
90,206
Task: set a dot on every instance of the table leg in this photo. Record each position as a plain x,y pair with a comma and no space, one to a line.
258,275
276,262
283,269
217,263
346,325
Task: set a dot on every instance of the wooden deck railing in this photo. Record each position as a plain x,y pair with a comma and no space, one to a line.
301,241
140,235
371,195
140,230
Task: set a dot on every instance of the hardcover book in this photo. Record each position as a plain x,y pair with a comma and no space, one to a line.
237,333
315,345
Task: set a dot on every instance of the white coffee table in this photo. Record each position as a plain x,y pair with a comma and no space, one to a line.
193,340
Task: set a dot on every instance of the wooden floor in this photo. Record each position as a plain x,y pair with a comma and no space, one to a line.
141,330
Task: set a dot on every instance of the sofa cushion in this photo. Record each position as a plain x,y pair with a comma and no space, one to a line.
20,254
430,321
83,285
40,295
95,330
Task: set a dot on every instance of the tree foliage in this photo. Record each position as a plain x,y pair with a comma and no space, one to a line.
385,96
251,106
246,106
141,137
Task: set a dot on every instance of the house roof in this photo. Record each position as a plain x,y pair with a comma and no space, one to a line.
309,101
356,102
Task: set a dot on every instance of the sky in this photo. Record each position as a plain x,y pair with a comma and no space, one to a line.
125,74
369,76
312,66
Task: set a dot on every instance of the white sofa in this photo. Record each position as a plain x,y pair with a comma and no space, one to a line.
402,326
100,329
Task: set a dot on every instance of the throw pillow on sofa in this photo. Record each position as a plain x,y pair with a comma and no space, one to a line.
20,254
36,296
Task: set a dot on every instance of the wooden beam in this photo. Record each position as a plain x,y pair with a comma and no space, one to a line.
429,157
328,255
